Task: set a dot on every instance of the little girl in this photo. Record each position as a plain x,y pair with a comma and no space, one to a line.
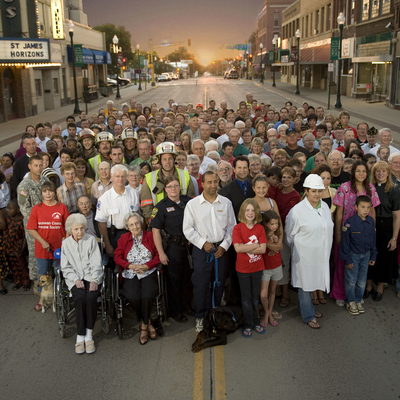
273,267
250,242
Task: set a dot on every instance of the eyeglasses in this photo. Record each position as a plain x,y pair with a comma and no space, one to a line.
335,159
193,165
172,187
224,169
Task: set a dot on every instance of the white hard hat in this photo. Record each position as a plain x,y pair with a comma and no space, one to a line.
313,181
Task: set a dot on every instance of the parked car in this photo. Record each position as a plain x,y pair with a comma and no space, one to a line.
167,74
226,73
112,82
233,74
163,78
122,81
175,77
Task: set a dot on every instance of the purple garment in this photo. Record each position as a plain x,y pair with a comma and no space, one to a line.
22,151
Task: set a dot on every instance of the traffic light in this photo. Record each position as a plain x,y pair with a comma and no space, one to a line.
124,63
251,59
189,42
177,70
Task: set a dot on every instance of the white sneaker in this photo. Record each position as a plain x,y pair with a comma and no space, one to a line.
360,308
199,325
340,303
352,308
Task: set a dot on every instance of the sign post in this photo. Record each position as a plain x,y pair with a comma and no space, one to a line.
335,43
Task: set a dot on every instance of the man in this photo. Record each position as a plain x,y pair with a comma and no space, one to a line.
308,142
205,132
258,114
41,138
212,104
249,98
372,140
85,208
55,130
320,115
139,108
85,124
69,192
272,134
153,185
240,125
198,149
344,118
112,207
104,141
385,138
338,135
211,145
347,136
194,130
70,120
87,139
238,149
394,162
21,167
141,122
214,116
292,146
242,111
144,148
208,235
118,130
284,114
71,132
224,173
170,102
28,195
335,161
181,119
362,130
132,103
270,117
103,184
325,147
51,147
117,156
225,137
166,122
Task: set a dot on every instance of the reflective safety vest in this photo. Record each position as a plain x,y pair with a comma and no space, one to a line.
94,162
152,177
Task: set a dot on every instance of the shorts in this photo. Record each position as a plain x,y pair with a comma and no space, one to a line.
275,274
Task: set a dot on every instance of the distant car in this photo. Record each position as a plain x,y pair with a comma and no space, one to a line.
112,82
122,81
175,77
167,75
233,74
163,78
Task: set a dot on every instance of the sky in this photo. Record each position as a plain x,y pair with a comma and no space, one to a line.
208,23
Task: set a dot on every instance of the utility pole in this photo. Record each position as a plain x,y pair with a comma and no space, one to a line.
153,83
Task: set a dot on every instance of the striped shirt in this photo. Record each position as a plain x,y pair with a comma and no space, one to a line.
70,197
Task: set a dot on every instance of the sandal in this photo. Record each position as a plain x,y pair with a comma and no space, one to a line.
274,323
38,307
152,332
276,314
322,300
259,329
315,302
313,324
143,339
16,287
246,332
318,314
284,302
264,325
26,288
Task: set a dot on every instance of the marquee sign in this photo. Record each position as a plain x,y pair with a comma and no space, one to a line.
24,50
57,19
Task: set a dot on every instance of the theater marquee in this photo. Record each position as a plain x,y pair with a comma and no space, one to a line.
24,51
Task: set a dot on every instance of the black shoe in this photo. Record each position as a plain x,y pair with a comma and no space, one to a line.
9,278
16,287
377,296
368,292
180,318
3,291
189,312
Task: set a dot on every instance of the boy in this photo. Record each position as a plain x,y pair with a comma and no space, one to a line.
358,250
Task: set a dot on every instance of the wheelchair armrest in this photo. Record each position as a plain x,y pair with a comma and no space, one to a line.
159,267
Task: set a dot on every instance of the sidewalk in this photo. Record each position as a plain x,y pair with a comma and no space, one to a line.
375,114
11,131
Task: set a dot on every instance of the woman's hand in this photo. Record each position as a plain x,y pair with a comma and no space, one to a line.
93,286
79,284
45,245
142,269
163,258
392,244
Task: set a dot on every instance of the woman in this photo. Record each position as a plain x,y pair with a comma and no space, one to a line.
5,194
281,158
48,213
320,159
6,166
146,112
356,155
254,166
257,147
137,255
174,249
261,131
83,272
45,158
178,129
111,122
352,145
186,142
31,130
345,200
193,167
220,127
249,124
81,174
370,159
309,232
387,230
134,177
383,153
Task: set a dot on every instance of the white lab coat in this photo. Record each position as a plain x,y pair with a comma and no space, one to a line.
309,233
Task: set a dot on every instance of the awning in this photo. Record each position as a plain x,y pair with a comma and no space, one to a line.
98,56
88,57
107,57
92,56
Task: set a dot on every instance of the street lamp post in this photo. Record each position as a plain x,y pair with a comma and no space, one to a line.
140,71
273,68
261,69
340,20
134,64
115,43
71,35
298,34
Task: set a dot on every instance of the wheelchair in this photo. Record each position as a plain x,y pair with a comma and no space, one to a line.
160,313
64,303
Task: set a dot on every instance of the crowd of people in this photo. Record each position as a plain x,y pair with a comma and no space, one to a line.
240,205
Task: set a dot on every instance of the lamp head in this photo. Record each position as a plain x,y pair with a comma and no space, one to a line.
115,40
341,19
261,46
137,47
298,34
274,41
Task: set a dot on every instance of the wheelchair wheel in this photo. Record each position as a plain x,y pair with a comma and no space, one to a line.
119,328
61,329
105,323
109,292
159,326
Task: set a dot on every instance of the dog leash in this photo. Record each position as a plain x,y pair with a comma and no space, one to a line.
210,258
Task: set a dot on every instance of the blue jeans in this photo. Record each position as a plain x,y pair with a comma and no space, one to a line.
250,284
44,265
307,309
355,279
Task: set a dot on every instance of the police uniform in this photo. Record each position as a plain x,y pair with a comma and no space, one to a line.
168,216
112,208
28,195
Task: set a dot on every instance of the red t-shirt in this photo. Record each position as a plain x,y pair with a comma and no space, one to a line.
200,184
49,221
285,201
272,262
247,263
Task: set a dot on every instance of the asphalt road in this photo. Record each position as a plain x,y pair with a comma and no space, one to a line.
348,358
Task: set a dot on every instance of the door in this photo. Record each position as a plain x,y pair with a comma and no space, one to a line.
9,95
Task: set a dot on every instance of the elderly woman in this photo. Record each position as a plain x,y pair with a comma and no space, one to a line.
309,233
257,147
83,273
137,254
282,129
255,166
134,176
193,167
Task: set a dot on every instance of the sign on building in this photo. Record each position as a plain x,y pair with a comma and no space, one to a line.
24,50
57,19
335,43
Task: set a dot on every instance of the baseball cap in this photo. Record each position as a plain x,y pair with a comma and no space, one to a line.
199,105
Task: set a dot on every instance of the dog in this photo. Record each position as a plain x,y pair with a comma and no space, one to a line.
46,295
218,323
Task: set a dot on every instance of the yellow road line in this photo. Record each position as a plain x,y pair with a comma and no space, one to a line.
220,390
198,376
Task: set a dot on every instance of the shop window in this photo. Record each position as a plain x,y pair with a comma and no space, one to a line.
328,17
38,87
276,20
375,8
55,86
365,10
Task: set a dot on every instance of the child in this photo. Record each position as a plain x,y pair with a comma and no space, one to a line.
72,145
383,153
250,243
273,176
15,246
145,168
358,250
273,267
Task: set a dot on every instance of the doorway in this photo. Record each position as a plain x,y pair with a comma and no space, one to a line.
9,95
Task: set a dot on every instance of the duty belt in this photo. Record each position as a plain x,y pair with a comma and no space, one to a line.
179,241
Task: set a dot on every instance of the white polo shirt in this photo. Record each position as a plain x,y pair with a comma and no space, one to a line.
112,206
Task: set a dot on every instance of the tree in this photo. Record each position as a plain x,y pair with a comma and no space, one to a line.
181,53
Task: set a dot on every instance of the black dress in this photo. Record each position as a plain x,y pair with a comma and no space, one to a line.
386,263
